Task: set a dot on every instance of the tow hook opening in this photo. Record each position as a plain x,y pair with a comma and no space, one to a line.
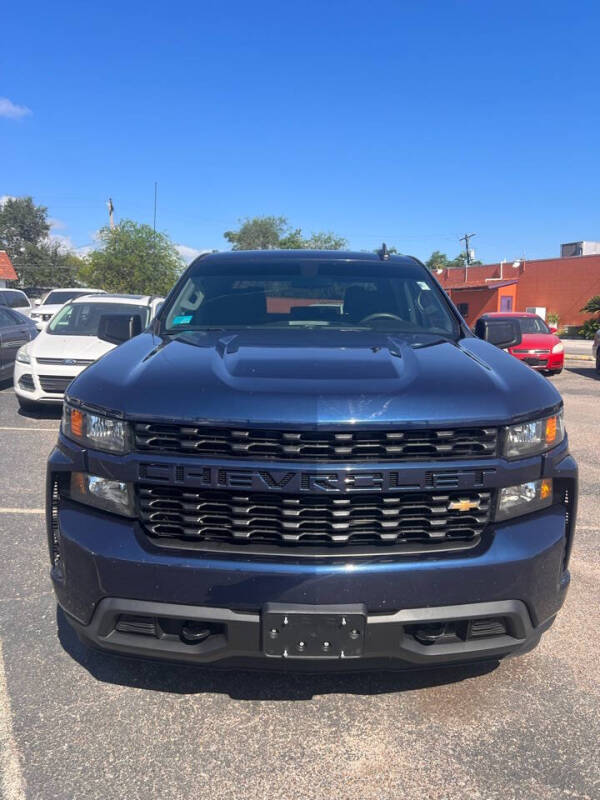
189,632
458,630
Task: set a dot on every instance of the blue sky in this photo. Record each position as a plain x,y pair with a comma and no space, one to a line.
411,122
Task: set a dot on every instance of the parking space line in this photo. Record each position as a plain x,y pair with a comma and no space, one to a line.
6,428
22,511
13,783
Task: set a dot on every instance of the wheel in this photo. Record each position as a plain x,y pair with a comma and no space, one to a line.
28,405
598,360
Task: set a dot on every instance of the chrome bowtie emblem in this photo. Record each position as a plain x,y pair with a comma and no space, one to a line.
463,505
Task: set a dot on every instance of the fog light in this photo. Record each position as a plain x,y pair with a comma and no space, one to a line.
114,496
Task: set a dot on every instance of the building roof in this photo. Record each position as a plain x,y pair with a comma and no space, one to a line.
478,284
7,271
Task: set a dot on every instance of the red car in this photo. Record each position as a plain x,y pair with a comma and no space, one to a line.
540,347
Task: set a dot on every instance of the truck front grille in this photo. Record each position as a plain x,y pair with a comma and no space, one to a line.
365,445
247,519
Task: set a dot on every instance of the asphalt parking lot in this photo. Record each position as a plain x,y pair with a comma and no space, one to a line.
75,724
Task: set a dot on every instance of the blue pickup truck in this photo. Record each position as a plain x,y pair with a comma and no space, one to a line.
309,460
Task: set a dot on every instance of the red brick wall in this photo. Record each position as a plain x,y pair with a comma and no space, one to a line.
480,302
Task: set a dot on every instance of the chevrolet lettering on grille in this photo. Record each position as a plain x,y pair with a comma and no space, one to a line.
317,481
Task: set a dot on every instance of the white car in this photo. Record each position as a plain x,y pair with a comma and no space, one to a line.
77,336
15,298
44,311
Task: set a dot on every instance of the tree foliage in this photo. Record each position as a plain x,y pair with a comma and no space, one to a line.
439,260
269,233
593,305
24,234
133,259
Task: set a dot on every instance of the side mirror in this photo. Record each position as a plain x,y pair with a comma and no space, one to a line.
553,328
118,328
37,302
500,332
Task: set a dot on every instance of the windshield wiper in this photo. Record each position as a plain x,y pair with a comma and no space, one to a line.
438,339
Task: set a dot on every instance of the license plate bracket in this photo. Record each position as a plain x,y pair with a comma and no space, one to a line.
314,632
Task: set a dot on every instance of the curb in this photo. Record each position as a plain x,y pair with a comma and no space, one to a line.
578,357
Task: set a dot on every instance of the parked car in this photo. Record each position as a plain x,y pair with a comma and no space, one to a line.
540,347
54,300
250,482
72,340
15,330
596,350
15,298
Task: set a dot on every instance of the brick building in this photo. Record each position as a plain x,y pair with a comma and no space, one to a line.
558,285
7,271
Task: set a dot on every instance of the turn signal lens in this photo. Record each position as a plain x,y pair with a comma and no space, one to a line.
551,428
545,489
76,422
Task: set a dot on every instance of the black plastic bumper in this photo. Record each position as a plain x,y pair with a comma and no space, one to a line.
233,636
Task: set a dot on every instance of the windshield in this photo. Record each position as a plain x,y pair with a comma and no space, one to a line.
533,325
58,298
307,294
83,319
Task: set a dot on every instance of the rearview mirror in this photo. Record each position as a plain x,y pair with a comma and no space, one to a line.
118,328
500,332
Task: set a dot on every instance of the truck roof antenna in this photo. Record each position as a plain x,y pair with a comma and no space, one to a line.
384,253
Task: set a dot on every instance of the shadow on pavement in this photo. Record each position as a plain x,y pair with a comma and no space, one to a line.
585,372
244,684
43,412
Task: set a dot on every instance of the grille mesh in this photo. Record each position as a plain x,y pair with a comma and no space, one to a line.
55,384
218,516
408,445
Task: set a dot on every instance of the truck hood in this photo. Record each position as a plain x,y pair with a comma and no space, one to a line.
309,378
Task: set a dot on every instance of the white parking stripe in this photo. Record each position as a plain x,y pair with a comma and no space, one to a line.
13,783
54,430
22,511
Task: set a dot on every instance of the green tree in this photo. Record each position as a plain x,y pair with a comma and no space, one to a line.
268,233
593,305
38,260
437,260
133,258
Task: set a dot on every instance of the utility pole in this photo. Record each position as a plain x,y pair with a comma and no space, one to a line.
111,211
155,196
466,239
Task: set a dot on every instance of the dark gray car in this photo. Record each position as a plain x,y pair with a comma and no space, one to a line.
15,330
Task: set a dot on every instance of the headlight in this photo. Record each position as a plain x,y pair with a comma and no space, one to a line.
114,496
532,438
513,501
558,347
98,431
23,356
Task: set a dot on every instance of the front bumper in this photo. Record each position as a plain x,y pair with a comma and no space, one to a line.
109,566
37,393
542,361
236,638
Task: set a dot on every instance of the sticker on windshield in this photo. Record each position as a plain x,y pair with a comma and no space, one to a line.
424,286
182,319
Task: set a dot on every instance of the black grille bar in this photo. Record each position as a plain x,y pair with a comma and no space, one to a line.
55,384
239,443
260,518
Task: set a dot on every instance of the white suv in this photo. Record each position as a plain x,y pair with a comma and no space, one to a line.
76,337
54,300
